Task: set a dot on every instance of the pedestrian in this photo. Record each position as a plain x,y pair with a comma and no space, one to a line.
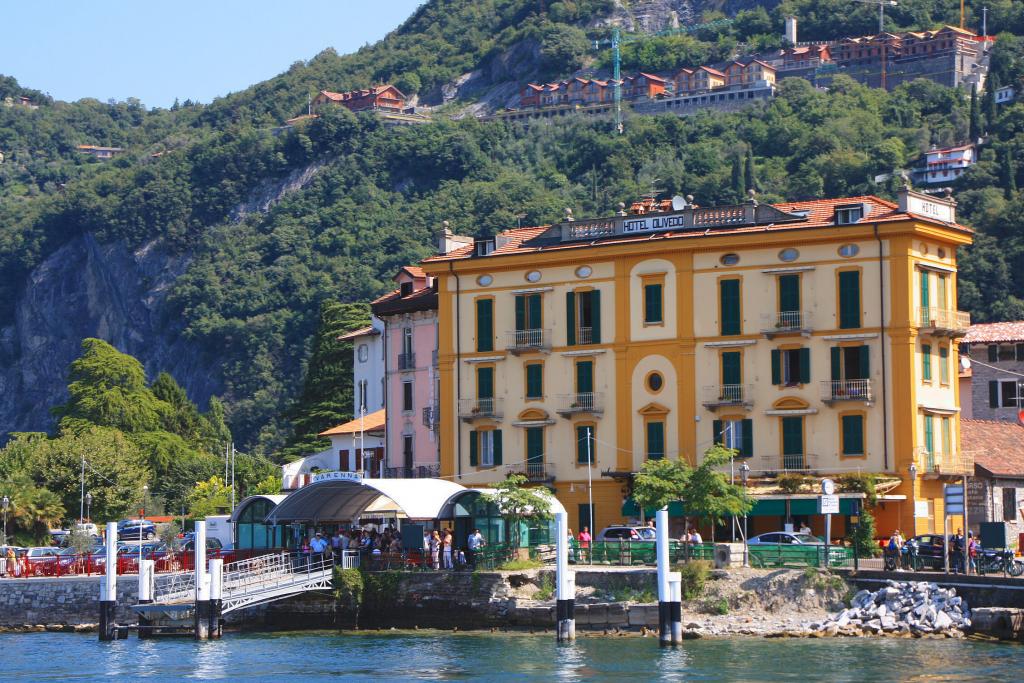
435,549
972,553
317,548
473,544
336,544
956,552
695,537
585,541
894,549
446,549
12,563
804,529
571,541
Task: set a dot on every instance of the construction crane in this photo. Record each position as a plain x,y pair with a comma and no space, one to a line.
618,39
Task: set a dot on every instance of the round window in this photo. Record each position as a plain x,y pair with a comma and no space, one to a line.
364,353
584,271
924,248
729,259
484,280
942,253
655,382
533,276
849,250
788,255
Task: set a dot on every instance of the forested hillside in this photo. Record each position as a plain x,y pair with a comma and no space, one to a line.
365,199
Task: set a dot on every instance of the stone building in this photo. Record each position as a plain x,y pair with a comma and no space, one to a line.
996,351
996,491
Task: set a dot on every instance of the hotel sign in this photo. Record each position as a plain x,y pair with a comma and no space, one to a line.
922,205
654,223
338,476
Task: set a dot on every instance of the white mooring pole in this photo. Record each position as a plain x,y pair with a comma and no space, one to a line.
664,592
216,596
146,585
675,585
565,598
202,590
108,586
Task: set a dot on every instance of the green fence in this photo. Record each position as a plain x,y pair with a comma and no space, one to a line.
784,555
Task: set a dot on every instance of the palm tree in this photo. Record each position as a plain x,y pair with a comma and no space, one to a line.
34,510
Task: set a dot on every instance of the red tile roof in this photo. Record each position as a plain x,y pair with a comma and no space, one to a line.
361,332
998,447
992,333
369,423
414,271
820,214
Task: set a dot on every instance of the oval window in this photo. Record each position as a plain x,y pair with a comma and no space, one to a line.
533,276
788,255
729,259
484,280
655,382
848,250
584,271
364,353
942,253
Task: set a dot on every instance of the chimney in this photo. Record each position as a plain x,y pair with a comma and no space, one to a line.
791,30
447,242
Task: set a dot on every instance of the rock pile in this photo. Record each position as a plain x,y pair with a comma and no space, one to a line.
901,608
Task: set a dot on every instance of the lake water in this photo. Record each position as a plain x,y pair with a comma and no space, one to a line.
402,656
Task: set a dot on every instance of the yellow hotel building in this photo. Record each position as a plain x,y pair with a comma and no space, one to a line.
816,337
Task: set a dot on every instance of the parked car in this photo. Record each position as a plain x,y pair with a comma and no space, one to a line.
786,537
931,552
627,533
135,529
188,543
41,561
89,528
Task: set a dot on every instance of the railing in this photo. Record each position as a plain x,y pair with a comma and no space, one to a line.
944,321
785,321
406,361
590,229
476,408
716,395
521,341
625,553
792,462
714,217
778,555
432,416
584,335
952,464
584,402
536,472
846,390
417,472
88,564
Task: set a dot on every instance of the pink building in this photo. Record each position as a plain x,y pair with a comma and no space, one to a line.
411,379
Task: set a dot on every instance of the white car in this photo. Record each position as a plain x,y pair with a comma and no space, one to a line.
786,538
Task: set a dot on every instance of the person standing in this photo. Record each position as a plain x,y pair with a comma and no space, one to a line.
474,543
446,549
435,549
585,540
956,551
317,548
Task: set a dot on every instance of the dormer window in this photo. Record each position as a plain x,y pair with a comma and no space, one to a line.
483,247
406,289
849,214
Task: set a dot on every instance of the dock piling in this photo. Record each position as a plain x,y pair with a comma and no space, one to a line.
202,584
565,604
216,597
108,587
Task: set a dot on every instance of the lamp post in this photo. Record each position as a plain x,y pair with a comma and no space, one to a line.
6,504
744,476
88,506
145,492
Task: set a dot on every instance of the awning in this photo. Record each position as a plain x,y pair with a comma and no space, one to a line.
342,500
249,500
849,504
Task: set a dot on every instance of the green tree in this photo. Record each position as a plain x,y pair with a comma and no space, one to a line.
975,129
738,190
562,47
990,106
660,482
210,497
863,536
33,510
749,177
708,492
518,504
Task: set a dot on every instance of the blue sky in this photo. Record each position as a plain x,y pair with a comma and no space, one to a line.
158,50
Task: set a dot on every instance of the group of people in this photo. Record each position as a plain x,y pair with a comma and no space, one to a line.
320,546
443,552
898,547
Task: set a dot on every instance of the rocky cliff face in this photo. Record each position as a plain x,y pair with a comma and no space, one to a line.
86,289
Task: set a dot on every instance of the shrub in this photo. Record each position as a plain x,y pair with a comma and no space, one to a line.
546,588
791,483
694,576
719,606
860,482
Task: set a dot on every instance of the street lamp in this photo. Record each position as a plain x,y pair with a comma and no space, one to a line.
744,476
6,504
913,471
88,506
145,491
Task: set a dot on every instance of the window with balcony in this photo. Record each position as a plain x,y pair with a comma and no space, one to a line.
485,324
729,322
926,362
925,296
655,437
851,363
485,448
929,434
534,381
583,313
534,453
529,322
852,435
791,367
586,444
793,443
484,383
849,299
789,303
737,434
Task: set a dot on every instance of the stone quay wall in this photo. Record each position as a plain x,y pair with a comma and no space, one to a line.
70,601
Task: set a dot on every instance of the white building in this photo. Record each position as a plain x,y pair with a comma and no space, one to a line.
1005,94
943,165
368,370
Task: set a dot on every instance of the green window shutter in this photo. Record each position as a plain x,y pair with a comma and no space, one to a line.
655,440
485,325
534,445
993,353
944,365
732,373
585,377
595,316
716,429
496,448
853,435
729,305
929,435
789,293
849,299
520,312
652,304
533,317
792,436
837,363
926,362
993,394
582,432
865,362
947,445
535,380
805,366
776,367
474,444
924,294
747,445
570,318
485,383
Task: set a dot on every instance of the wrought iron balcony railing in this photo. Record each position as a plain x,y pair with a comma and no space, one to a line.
480,408
406,361
943,321
792,462
846,390
783,322
418,472
585,402
718,395
524,341
948,464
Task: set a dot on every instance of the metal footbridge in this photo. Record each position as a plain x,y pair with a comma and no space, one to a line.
253,581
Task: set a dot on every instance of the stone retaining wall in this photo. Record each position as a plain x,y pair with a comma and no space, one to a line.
64,601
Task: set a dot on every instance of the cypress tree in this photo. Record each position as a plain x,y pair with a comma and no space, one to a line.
975,125
990,107
737,178
749,179
1009,170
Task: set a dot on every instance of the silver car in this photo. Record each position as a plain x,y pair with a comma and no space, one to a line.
786,538
627,533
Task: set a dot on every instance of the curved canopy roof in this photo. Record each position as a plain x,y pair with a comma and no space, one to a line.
343,500
249,500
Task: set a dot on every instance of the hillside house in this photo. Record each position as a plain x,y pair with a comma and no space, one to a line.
739,74
100,152
378,98
943,165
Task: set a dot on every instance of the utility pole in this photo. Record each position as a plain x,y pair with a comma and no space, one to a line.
881,10
81,505
232,476
984,22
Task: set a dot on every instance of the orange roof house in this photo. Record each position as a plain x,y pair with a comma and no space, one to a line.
379,97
